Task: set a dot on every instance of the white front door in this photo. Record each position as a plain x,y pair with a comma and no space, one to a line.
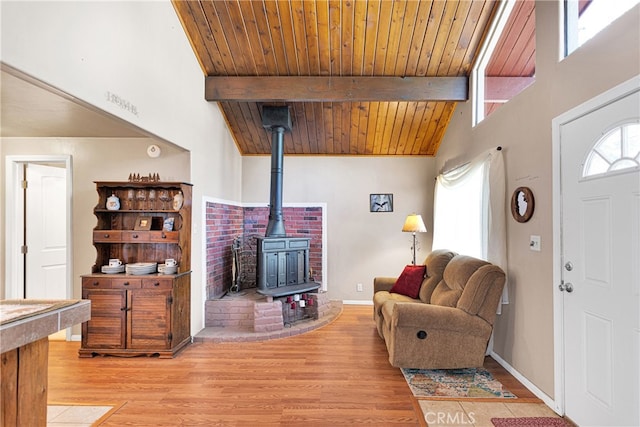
46,232
600,227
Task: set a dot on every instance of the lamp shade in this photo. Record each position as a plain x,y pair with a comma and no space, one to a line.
414,224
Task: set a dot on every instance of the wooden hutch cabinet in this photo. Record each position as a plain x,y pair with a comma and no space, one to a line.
139,314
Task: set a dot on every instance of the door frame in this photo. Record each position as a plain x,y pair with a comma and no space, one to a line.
622,90
14,221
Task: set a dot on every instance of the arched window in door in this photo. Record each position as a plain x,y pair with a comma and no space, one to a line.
617,150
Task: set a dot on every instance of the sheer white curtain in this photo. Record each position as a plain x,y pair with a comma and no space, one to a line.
469,210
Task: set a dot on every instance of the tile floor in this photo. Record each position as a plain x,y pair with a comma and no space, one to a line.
447,413
75,416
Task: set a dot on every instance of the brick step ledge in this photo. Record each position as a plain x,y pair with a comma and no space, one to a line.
221,334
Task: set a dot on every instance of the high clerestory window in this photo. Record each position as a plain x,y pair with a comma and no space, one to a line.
586,18
506,64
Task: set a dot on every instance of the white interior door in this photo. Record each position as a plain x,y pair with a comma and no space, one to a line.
600,257
46,232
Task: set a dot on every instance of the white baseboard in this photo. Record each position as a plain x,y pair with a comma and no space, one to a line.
76,337
528,384
356,302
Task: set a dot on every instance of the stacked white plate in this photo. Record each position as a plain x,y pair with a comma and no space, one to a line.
107,269
140,268
167,269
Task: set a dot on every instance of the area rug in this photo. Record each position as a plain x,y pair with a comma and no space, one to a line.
456,383
529,422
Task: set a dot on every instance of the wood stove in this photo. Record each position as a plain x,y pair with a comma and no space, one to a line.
282,262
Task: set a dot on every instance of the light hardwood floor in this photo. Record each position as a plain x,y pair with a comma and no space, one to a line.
336,375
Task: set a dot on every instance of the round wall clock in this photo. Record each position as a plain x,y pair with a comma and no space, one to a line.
522,204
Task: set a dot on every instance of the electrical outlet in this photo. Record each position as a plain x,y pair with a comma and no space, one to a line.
534,243
359,287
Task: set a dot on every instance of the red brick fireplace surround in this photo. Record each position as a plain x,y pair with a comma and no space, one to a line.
225,222
247,315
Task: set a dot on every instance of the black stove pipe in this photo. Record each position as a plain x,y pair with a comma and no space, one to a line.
275,227
277,120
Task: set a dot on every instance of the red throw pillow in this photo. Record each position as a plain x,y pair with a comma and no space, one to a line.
410,281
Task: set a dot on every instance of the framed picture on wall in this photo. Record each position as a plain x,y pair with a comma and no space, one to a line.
381,202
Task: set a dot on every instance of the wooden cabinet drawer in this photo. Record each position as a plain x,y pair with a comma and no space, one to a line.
135,236
163,236
96,283
110,283
101,236
157,283
126,283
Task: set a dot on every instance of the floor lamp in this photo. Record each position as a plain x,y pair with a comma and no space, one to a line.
414,224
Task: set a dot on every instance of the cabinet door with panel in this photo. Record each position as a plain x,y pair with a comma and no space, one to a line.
106,329
149,325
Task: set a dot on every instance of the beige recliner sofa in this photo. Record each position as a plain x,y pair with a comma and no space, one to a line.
449,325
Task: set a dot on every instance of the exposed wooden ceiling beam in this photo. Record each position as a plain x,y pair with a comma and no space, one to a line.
335,89
502,89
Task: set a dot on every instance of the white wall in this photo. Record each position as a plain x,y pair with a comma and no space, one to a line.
524,332
361,244
138,51
98,159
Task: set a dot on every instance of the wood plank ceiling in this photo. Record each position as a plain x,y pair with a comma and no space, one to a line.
335,38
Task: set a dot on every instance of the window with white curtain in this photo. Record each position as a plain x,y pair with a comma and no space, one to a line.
469,210
459,217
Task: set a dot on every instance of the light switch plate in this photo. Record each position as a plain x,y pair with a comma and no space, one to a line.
534,243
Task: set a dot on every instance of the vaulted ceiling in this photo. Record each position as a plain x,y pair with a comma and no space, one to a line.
361,77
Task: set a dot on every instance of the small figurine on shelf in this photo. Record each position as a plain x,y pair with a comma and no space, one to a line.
113,202
151,177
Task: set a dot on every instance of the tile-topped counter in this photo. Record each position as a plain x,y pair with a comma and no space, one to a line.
38,319
24,344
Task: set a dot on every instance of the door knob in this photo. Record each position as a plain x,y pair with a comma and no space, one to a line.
566,287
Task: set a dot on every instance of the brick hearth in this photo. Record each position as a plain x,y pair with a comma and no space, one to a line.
249,316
